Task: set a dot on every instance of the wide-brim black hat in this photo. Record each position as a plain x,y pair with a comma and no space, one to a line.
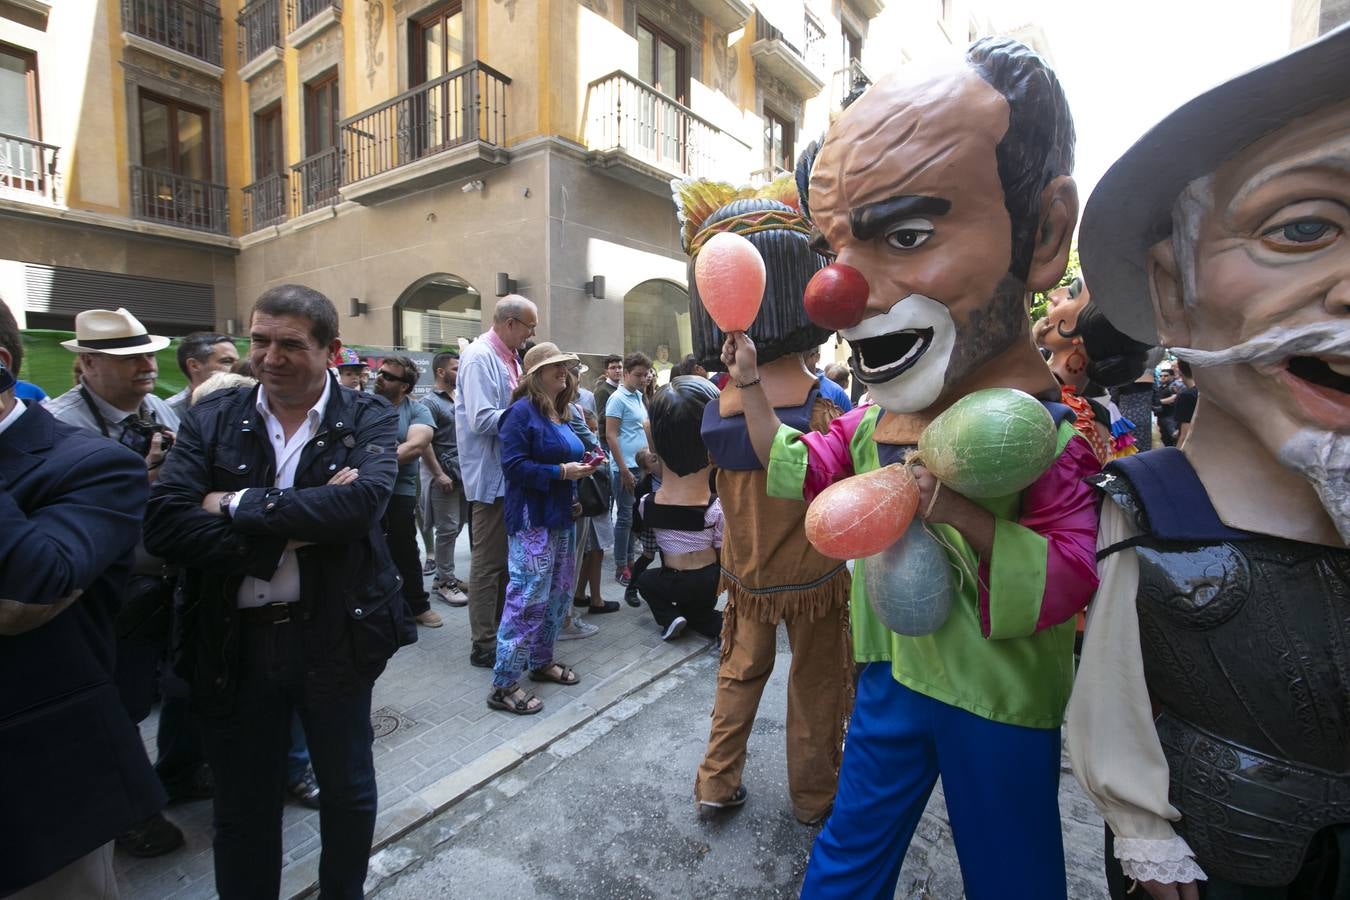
1131,208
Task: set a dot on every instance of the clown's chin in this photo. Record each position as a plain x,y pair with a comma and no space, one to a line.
1323,457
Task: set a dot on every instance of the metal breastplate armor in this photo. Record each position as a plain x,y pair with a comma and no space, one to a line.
1246,650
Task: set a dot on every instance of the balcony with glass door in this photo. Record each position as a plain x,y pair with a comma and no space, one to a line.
797,60
182,31
307,18
259,37
173,183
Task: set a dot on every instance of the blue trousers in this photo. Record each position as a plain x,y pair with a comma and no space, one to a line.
1001,783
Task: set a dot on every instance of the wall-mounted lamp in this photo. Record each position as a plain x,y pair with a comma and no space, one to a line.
231,326
505,284
470,186
596,287
356,308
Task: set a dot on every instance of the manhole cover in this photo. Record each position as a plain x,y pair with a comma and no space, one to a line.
385,721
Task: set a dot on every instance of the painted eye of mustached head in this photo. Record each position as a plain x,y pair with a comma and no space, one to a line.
909,234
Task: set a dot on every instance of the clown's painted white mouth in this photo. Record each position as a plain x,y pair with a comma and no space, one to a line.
881,358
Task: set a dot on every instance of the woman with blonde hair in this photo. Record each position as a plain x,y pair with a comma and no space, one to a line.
541,462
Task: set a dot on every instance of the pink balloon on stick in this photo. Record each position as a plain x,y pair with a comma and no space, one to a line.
729,273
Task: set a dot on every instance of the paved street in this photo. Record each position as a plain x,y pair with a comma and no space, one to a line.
592,798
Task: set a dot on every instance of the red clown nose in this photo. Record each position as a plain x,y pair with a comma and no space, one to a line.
836,297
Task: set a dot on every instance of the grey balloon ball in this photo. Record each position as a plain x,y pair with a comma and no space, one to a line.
909,584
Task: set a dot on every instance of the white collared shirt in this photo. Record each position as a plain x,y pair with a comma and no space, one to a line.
13,415
284,585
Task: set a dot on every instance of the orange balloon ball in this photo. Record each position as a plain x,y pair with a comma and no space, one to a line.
863,515
729,273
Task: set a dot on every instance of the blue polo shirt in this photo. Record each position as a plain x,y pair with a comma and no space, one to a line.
628,408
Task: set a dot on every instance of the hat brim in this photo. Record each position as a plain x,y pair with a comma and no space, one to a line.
154,345
548,361
1130,210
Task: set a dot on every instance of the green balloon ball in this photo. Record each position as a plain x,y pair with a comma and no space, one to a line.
990,443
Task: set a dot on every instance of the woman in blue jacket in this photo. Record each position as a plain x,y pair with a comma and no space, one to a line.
541,461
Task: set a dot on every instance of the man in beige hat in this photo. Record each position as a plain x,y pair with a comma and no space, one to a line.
115,396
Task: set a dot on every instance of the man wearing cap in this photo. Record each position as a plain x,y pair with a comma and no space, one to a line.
394,382
271,500
115,398
201,355
489,369
1209,720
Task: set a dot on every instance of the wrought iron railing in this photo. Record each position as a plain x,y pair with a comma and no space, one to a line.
28,165
853,80
625,114
266,202
814,51
765,31
259,29
188,26
304,10
468,104
179,200
315,181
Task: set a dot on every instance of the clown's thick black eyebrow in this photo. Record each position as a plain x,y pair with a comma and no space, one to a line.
871,219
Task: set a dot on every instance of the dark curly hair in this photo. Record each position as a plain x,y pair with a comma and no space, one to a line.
781,327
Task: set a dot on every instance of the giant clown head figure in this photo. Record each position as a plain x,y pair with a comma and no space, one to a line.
948,190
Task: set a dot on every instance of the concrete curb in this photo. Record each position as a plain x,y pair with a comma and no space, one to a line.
301,879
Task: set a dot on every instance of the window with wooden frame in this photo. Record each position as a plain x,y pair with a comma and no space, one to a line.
175,137
268,149
779,152
662,61
322,113
435,43
19,93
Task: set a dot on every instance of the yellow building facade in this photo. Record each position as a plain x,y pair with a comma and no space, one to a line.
412,159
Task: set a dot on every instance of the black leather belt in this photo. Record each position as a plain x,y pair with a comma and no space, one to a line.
270,614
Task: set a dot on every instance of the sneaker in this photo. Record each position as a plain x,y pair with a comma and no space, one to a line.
624,575
575,629
675,629
630,596
452,595
430,619
429,567
482,658
736,799
306,790
155,836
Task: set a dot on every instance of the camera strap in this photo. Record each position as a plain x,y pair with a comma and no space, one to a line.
141,412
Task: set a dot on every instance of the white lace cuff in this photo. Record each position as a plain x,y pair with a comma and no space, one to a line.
1165,861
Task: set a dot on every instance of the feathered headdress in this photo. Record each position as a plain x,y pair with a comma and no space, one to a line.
698,198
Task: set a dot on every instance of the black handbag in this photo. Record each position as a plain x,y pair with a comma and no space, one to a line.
593,493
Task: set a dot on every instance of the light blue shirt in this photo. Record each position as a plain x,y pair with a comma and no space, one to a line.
482,394
628,408
410,412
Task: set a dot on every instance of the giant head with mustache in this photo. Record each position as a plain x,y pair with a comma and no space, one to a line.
948,190
1209,720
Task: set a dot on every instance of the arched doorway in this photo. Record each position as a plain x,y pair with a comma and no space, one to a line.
656,316
435,311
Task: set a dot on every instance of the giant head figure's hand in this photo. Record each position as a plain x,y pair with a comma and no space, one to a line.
948,190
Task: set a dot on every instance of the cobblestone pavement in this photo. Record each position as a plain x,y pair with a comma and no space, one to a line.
607,813
443,739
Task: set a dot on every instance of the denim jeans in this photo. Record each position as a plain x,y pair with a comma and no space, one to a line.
247,750
623,520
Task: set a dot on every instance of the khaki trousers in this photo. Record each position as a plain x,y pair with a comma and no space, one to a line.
487,573
818,706
88,878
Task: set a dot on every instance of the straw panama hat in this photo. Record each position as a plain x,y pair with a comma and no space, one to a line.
115,332
545,354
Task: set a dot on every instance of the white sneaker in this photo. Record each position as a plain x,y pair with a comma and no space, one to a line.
574,629
675,628
452,595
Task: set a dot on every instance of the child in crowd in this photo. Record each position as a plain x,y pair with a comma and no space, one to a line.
682,517
650,465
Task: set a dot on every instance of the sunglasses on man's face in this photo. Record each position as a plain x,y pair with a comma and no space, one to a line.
390,376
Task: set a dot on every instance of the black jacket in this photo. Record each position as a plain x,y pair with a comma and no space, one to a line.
350,602
73,771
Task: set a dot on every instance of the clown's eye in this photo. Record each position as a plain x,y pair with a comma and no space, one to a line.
909,234
1301,235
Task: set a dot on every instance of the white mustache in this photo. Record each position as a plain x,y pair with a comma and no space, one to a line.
1275,346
